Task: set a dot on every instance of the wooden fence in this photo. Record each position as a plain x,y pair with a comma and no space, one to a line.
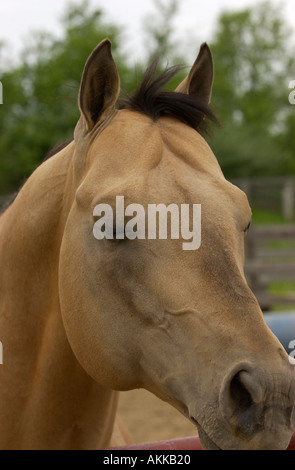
270,258
273,194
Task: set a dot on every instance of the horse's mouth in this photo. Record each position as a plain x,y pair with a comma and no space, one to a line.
206,442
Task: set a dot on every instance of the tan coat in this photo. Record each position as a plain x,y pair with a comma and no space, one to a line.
82,318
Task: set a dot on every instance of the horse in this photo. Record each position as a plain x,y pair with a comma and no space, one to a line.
83,318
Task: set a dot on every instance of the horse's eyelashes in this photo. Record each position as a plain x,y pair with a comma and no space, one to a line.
248,227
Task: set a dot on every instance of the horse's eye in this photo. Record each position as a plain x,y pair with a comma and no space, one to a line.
247,228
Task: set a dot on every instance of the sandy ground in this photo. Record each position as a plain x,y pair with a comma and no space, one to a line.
149,419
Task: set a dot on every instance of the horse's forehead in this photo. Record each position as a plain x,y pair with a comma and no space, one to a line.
133,142
129,143
166,158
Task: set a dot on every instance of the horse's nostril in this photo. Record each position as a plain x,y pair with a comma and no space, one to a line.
241,399
240,396
245,390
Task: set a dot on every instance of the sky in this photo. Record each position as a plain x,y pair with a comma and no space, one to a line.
196,18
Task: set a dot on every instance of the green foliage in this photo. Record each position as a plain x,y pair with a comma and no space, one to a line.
254,63
158,28
263,217
40,96
253,60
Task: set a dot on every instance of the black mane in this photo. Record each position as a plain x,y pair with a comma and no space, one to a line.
151,100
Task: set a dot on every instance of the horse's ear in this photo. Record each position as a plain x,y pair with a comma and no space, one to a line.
100,85
200,79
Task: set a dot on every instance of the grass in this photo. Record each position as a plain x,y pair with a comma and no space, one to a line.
260,217
277,288
282,287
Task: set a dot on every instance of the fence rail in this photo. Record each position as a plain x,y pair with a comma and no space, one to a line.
274,194
185,443
270,257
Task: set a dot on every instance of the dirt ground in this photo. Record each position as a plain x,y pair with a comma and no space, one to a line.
148,419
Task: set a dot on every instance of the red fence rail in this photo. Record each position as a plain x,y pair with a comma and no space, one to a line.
185,443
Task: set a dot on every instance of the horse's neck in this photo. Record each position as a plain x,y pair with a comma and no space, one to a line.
46,398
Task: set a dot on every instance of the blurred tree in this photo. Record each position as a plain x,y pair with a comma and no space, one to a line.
253,58
159,27
159,38
40,96
287,142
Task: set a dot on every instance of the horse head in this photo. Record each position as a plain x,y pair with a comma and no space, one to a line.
144,312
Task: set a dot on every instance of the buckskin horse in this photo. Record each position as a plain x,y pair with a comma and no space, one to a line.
82,319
